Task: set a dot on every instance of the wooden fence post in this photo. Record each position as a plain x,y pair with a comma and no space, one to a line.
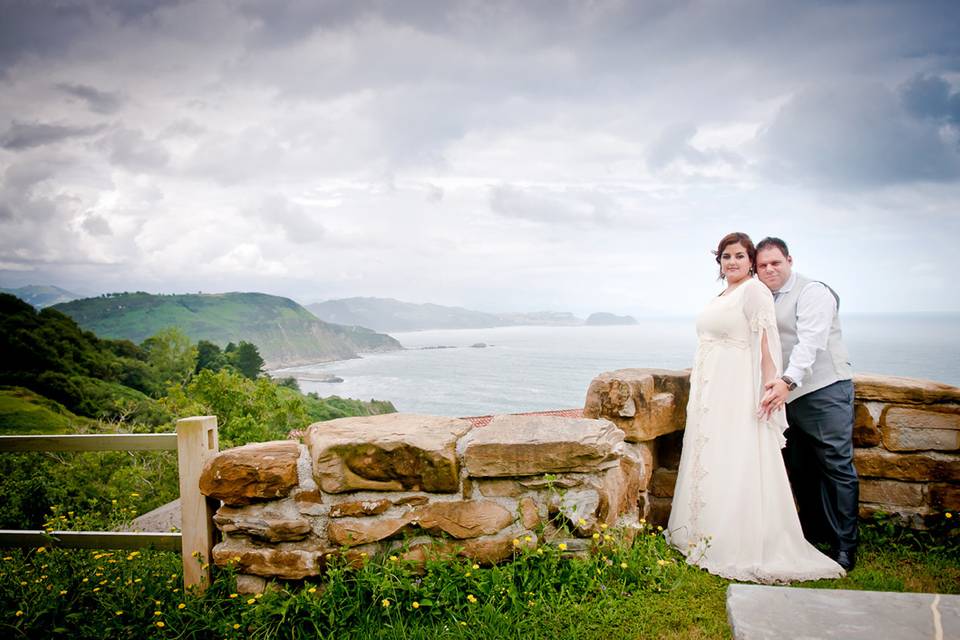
197,441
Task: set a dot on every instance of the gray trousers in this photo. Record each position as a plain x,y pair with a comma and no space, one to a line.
819,459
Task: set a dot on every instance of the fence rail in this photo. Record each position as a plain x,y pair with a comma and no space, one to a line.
195,441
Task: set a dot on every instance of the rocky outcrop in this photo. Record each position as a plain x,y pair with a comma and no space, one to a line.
906,437
422,485
261,471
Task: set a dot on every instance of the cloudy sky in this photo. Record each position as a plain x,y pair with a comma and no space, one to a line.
503,156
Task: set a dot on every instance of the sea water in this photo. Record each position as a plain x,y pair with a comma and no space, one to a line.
541,368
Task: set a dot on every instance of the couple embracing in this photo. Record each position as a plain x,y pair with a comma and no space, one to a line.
770,371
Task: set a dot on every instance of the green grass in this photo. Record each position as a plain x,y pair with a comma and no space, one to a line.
25,412
641,591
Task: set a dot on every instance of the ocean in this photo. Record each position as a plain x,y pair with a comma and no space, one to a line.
541,368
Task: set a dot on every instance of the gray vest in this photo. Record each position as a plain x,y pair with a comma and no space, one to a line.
832,364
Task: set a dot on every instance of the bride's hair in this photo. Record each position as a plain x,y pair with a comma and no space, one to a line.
734,238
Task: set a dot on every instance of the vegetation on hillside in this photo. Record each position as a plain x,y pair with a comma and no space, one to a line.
57,378
284,332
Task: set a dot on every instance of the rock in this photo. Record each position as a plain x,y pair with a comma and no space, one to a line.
532,445
500,488
412,501
645,453
351,532
529,513
261,471
891,492
897,439
866,433
897,390
644,403
945,497
355,509
392,452
468,519
290,563
911,517
658,511
309,503
489,550
577,510
669,450
272,522
663,483
918,467
250,585
912,429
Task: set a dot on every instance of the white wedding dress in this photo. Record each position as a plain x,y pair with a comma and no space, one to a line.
733,511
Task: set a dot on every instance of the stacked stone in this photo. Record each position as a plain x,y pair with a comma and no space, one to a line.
650,407
907,438
414,484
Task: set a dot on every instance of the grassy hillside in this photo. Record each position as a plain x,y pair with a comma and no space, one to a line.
24,412
286,333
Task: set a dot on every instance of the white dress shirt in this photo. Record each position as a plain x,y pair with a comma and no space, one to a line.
816,308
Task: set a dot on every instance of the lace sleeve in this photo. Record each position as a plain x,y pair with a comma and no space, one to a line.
762,318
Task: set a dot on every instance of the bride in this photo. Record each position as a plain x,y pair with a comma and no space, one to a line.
733,511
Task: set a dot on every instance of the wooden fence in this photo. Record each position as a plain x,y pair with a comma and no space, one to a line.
195,441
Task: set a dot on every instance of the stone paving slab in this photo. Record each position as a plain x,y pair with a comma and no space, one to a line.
759,612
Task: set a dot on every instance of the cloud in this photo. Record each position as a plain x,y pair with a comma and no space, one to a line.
102,102
856,136
27,135
548,206
926,96
299,224
675,144
96,225
131,149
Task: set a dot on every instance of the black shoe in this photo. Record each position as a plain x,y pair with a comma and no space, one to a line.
847,559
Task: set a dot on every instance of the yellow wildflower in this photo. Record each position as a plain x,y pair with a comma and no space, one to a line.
160,624
603,525
312,590
181,606
948,515
415,605
233,595
118,612
385,603
596,536
476,566
19,613
158,613
134,495
63,592
527,538
562,546
236,625
516,542
659,528
662,562
472,599
393,558
581,522
462,623
467,574
251,600
623,565
41,549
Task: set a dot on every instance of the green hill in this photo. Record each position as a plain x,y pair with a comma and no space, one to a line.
24,412
286,333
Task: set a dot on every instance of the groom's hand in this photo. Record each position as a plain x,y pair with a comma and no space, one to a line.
776,392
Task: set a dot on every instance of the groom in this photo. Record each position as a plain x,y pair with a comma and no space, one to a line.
818,391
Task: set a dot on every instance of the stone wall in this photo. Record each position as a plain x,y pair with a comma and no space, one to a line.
399,483
906,438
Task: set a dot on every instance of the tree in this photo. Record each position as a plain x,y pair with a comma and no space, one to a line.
172,355
247,360
209,356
